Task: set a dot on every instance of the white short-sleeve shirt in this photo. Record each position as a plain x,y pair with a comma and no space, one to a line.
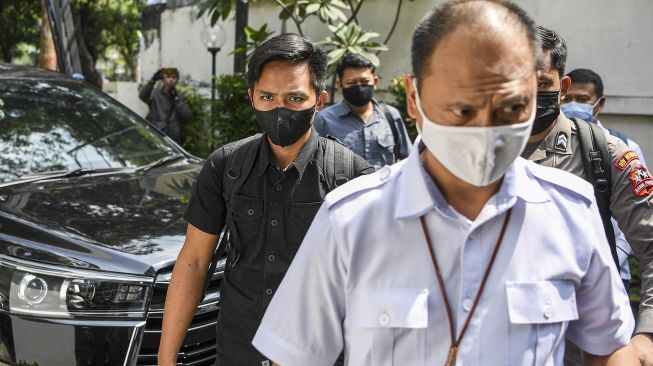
363,279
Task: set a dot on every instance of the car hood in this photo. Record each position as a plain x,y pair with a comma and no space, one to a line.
120,222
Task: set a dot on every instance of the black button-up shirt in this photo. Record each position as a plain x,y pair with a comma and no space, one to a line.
271,212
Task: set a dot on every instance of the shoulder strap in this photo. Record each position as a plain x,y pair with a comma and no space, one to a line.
596,163
240,161
393,127
338,163
622,136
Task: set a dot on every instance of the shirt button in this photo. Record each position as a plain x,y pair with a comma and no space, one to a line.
468,304
271,257
384,173
279,187
548,312
274,223
269,291
250,212
384,319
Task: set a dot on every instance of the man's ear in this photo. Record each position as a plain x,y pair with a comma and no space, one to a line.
376,80
322,99
600,105
338,84
411,106
565,83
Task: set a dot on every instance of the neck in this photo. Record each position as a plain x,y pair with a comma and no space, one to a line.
284,155
542,135
467,199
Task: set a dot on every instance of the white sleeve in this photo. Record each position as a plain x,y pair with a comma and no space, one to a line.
605,319
303,324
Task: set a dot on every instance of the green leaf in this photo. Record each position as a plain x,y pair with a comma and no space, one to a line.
312,8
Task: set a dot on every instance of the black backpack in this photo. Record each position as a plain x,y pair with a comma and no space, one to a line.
337,167
596,163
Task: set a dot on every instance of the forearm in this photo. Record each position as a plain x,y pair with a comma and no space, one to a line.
621,357
182,297
146,91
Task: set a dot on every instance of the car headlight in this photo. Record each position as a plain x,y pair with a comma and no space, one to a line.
27,288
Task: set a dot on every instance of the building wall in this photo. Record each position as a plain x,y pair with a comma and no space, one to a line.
611,37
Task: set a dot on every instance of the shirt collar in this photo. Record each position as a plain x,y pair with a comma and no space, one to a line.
342,109
418,194
266,157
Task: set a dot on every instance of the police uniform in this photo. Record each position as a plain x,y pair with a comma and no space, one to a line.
631,202
363,279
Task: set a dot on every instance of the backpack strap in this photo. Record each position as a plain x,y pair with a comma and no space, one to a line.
596,163
393,127
240,161
338,163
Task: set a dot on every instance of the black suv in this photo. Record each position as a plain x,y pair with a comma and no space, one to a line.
91,205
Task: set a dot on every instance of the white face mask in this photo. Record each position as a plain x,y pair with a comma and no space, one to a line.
477,155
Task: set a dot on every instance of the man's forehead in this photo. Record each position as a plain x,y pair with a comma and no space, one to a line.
577,87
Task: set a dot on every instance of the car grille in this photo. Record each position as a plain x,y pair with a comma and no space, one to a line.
198,348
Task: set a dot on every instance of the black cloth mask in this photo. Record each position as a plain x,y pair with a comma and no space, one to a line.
284,126
358,95
548,109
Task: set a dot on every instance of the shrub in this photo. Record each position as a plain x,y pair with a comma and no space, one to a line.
398,91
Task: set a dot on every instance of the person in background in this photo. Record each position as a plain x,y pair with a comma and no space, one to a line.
167,108
371,129
585,100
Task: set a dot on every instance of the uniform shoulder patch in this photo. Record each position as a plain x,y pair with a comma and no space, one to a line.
625,159
641,180
561,141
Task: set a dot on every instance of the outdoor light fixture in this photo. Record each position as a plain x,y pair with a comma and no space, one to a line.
213,39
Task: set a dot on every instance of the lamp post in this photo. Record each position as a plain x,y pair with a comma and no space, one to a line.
213,39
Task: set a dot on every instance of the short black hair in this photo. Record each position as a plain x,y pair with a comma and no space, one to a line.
294,49
584,76
353,60
448,17
552,42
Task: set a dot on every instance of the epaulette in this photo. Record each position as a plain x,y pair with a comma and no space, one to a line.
563,179
361,184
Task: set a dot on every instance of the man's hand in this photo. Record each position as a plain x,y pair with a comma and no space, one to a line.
157,75
643,344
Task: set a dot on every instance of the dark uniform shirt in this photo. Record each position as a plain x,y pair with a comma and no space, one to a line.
271,211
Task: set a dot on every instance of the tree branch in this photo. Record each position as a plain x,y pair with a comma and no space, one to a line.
394,24
291,15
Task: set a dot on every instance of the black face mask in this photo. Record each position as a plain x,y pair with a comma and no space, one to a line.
547,111
284,126
358,95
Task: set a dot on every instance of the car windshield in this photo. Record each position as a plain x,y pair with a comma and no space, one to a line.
53,125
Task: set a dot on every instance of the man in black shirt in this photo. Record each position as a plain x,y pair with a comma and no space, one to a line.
269,212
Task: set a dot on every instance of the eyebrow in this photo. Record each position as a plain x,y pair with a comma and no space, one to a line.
292,92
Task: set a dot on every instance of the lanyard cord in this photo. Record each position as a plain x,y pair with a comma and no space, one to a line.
451,357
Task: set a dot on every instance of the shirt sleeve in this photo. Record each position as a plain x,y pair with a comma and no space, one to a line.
362,167
206,209
605,321
631,203
303,324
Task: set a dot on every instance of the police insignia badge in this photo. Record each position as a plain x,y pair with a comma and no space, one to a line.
625,159
641,179
561,142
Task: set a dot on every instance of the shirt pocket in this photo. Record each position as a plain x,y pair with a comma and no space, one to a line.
387,147
247,213
387,326
539,313
301,217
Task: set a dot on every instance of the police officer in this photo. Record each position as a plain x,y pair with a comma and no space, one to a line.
458,268
281,188
554,143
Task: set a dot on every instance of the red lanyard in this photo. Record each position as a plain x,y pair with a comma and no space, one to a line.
453,349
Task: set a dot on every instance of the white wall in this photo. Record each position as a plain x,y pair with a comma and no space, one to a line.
614,38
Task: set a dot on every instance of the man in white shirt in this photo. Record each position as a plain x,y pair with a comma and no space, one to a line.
464,253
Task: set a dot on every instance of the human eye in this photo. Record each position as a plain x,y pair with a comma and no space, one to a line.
462,112
296,99
267,97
